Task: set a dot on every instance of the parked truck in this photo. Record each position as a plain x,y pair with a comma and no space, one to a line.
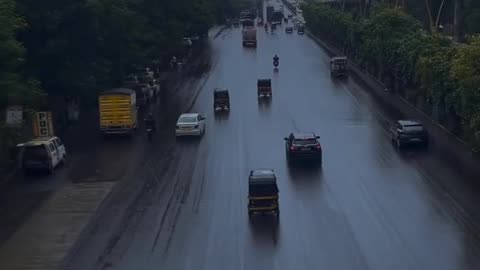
270,10
249,33
118,111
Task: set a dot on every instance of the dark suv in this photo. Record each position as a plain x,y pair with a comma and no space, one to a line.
303,146
408,132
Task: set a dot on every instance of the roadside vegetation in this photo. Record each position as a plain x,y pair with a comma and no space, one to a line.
73,48
426,67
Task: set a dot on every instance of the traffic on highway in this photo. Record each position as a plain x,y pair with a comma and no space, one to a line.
356,186
278,157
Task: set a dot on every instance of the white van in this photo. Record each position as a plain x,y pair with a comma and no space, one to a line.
42,153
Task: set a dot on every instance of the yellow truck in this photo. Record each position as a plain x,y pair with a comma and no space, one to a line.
118,111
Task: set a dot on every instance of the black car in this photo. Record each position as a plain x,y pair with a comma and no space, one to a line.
408,132
289,29
301,30
303,146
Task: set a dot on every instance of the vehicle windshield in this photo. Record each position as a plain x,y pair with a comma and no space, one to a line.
221,95
413,127
36,152
264,83
339,66
187,119
305,142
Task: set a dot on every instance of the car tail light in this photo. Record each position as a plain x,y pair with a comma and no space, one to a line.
318,147
292,148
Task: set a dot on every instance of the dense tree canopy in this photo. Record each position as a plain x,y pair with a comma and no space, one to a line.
466,71
16,89
77,47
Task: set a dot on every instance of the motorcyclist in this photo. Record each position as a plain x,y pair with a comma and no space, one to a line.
276,60
150,122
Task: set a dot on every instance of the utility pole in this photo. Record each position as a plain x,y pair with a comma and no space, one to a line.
458,21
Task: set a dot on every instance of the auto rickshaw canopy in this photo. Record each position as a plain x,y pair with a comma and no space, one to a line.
264,83
262,182
221,93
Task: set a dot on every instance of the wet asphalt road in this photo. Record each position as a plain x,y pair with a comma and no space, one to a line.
369,206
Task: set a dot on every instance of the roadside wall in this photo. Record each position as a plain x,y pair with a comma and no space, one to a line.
446,143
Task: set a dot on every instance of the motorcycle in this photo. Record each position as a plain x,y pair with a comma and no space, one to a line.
149,133
150,128
275,64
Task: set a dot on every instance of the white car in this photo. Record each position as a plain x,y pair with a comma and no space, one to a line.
42,153
190,124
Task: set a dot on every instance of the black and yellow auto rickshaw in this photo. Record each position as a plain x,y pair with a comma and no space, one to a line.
339,66
263,193
221,99
264,88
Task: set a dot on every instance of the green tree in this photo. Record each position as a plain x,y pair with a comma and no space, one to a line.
434,75
466,72
16,89
383,37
